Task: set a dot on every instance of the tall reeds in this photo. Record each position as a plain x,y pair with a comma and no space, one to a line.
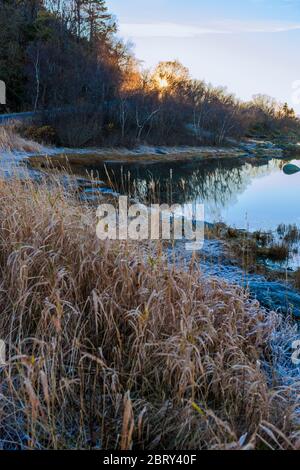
108,346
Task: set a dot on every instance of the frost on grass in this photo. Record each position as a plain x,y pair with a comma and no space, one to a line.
108,346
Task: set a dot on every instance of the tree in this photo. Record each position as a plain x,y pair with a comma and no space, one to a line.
170,78
287,112
99,21
11,52
64,54
78,14
266,104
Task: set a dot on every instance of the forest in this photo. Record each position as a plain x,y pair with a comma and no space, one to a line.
65,60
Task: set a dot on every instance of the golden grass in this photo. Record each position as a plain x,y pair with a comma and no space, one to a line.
111,347
11,141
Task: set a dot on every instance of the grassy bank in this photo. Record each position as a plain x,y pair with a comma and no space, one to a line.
111,347
268,253
11,141
143,154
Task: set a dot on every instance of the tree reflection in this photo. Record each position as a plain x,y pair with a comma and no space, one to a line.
216,183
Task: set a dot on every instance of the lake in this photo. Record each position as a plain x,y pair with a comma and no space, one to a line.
253,194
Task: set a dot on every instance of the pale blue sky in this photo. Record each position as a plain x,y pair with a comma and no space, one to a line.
249,46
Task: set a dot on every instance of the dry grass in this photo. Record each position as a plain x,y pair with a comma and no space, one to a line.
11,141
145,155
248,248
110,347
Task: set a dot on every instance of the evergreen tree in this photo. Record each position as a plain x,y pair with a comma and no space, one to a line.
99,22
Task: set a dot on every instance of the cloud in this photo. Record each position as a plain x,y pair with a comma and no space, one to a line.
165,30
176,30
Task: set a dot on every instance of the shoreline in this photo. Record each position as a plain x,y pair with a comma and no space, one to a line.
154,154
149,155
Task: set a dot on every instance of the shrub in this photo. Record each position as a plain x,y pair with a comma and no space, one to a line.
42,134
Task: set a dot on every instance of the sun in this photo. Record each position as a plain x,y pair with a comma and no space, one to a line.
162,83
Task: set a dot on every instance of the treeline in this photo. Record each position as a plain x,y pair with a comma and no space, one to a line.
65,56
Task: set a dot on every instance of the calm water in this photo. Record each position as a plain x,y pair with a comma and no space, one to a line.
246,194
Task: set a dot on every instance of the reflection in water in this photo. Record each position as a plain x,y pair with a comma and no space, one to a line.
252,193
216,181
232,190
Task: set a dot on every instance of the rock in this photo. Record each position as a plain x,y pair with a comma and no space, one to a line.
290,169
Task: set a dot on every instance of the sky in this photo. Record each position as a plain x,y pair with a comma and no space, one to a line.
248,46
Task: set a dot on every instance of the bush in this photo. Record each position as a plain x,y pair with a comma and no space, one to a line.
43,134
